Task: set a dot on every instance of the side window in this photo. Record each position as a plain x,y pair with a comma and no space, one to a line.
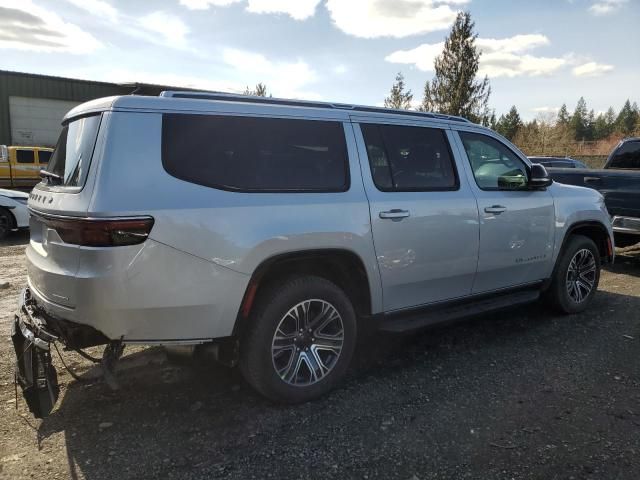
404,158
256,154
627,156
44,156
25,156
495,167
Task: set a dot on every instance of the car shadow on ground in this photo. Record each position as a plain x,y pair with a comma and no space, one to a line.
627,262
21,237
169,421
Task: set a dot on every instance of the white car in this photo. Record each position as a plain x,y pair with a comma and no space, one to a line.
14,214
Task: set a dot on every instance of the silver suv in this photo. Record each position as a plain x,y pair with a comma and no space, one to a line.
270,231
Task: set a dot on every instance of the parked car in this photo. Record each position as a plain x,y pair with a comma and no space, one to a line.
558,162
619,183
20,166
14,214
271,231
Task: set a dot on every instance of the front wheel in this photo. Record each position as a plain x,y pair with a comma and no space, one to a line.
300,340
6,222
575,279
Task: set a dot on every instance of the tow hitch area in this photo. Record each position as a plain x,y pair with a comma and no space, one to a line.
34,372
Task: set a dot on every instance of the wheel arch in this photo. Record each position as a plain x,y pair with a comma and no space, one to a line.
12,217
594,230
341,266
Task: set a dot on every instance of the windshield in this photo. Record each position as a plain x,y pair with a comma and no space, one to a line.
71,158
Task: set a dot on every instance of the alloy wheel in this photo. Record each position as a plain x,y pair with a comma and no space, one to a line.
581,275
307,342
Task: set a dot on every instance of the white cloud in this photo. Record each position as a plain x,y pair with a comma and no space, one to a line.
296,9
26,26
504,57
340,69
591,69
422,56
392,18
605,7
205,4
170,27
283,79
545,109
98,8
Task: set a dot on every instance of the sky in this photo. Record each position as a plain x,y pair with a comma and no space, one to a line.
537,54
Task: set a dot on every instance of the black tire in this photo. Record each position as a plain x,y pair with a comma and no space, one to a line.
6,222
561,295
257,364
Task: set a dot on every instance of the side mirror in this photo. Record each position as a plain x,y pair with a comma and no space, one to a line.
539,177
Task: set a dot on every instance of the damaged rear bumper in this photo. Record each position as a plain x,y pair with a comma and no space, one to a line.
33,333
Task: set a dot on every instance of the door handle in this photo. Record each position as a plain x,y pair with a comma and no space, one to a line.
592,181
495,209
394,213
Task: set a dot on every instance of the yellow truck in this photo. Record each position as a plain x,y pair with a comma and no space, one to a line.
20,166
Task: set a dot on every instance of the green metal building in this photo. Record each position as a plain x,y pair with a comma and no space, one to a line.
32,106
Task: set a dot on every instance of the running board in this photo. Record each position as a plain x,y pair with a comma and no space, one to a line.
415,320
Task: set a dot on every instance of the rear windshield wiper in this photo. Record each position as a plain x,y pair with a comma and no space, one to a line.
50,175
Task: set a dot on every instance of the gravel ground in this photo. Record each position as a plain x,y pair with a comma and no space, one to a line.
520,394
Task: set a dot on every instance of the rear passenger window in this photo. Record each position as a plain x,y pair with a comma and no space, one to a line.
627,156
256,154
44,156
25,156
404,158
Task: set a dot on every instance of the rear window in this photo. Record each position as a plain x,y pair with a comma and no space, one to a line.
408,158
255,154
627,156
72,155
25,156
44,156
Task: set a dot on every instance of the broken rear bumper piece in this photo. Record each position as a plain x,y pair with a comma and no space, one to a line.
32,334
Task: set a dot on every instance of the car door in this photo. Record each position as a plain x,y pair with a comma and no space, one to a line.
424,217
516,223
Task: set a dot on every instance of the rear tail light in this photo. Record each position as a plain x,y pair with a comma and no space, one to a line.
99,232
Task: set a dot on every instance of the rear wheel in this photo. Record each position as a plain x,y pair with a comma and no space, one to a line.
576,276
300,341
6,222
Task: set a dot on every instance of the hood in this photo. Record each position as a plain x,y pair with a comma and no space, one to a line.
13,193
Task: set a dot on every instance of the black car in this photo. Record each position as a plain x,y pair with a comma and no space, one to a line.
619,183
559,162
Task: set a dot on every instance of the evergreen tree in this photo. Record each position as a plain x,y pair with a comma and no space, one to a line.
600,127
563,115
398,98
508,125
579,120
627,118
454,89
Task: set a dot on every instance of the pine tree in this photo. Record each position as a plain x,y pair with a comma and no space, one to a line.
579,119
454,89
398,98
627,118
508,125
563,115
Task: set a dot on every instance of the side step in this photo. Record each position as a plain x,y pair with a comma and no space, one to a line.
447,312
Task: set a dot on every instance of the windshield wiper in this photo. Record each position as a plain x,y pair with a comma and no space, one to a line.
50,175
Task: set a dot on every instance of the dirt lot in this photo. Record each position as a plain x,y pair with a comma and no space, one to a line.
521,394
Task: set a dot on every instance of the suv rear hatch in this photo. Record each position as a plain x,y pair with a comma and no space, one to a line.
63,194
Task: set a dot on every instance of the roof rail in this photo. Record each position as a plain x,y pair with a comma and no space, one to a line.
235,97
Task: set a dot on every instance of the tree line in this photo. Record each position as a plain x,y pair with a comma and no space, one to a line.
456,90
